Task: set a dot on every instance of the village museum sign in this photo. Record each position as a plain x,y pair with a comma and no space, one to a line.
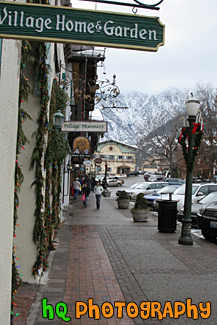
85,27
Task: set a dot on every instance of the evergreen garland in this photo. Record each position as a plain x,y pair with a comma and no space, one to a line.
39,232
24,90
57,150
198,134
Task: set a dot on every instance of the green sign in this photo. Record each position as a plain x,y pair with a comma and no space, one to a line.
84,27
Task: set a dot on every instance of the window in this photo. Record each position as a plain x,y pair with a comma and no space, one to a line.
129,157
142,186
120,157
152,187
212,188
160,185
111,157
101,156
109,169
204,190
110,148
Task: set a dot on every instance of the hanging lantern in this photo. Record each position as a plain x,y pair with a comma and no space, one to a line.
58,119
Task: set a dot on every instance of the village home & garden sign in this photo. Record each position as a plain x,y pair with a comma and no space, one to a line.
85,27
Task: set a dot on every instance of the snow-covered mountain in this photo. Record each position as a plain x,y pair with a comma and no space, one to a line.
144,114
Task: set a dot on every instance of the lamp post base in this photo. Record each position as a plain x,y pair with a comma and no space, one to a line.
185,238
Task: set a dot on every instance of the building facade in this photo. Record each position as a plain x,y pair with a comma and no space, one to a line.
9,90
34,79
119,157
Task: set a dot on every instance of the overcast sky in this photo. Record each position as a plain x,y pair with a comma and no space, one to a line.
188,57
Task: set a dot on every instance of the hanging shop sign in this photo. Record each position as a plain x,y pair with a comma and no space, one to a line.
87,163
98,162
84,27
84,126
81,146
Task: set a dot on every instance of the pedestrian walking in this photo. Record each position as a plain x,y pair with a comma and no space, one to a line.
98,189
76,187
88,181
80,180
85,194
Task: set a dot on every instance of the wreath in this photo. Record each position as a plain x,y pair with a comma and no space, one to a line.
197,131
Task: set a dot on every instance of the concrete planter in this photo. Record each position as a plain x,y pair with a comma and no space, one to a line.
123,203
106,193
140,215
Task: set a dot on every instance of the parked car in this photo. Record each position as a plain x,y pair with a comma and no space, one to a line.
174,181
145,188
155,178
119,179
198,207
114,182
152,176
133,173
158,195
99,178
128,189
198,192
208,221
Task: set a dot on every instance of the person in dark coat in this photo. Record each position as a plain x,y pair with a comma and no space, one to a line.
93,183
88,181
86,191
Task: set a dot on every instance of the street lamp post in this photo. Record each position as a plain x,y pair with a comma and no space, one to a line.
106,168
192,107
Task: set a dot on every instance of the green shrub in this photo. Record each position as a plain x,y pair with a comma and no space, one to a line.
141,202
123,195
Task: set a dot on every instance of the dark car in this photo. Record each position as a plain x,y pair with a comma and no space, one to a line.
198,207
208,221
133,173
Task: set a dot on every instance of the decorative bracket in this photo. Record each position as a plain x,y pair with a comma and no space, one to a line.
137,5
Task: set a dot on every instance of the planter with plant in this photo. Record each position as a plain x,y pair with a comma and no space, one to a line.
141,210
123,200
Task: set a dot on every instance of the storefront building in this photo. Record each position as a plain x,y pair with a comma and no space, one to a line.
119,157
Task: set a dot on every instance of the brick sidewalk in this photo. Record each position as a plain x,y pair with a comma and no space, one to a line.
23,301
103,255
90,275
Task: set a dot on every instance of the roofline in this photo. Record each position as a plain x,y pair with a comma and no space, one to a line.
128,145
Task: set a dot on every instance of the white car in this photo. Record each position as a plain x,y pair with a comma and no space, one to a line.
99,178
128,189
198,192
145,188
114,182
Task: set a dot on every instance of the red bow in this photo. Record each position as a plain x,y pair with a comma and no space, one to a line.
180,138
195,127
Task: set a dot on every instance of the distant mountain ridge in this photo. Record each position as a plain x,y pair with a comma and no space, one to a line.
144,114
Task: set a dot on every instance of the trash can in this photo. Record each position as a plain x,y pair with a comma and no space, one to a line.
167,215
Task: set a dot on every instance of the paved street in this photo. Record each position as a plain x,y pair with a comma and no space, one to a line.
104,255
